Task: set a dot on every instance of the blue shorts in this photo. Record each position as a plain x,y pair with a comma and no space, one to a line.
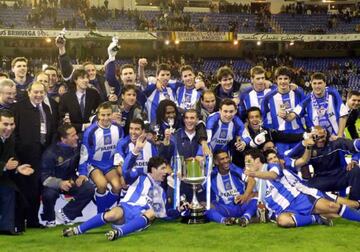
234,210
130,211
302,204
104,171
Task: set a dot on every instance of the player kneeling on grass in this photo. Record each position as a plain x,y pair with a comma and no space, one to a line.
232,193
291,207
145,200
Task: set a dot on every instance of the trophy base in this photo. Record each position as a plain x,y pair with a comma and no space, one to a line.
197,216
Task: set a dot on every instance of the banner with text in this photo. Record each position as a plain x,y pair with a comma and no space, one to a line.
202,36
38,33
299,37
181,36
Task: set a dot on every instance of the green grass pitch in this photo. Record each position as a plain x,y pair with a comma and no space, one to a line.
175,236
344,236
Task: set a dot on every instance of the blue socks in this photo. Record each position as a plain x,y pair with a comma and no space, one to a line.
136,224
303,220
96,221
251,208
105,201
349,213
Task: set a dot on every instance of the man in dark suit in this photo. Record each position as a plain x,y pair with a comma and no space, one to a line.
96,81
33,133
80,103
9,166
353,103
53,105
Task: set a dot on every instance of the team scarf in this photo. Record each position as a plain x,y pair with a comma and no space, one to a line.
322,111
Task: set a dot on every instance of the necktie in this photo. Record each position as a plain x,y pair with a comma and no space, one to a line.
42,124
82,105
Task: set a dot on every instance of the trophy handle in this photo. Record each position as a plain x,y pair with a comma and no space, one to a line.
209,164
177,165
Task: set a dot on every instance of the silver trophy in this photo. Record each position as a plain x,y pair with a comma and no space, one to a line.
193,173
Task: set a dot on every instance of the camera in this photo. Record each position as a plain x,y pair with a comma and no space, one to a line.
315,137
147,127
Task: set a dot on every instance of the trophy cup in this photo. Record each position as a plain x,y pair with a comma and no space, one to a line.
193,173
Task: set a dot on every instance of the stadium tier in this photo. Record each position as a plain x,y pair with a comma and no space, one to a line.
155,20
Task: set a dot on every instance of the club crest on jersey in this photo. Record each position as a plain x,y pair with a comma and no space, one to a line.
107,140
227,185
285,105
322,111
223,133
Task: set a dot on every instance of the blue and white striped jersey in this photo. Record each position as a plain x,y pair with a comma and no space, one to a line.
125,148
224,188
148,194
271,105
98,147
187,98
280,192
220,134
251,98
154,97
325,111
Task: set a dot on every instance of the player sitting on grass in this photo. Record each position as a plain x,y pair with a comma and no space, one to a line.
292,207
145,200
232,193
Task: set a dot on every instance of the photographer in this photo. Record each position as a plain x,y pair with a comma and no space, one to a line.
328,160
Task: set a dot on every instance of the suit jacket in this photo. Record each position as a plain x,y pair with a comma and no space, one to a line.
67,69
54,111
70,104
27,131
7,150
